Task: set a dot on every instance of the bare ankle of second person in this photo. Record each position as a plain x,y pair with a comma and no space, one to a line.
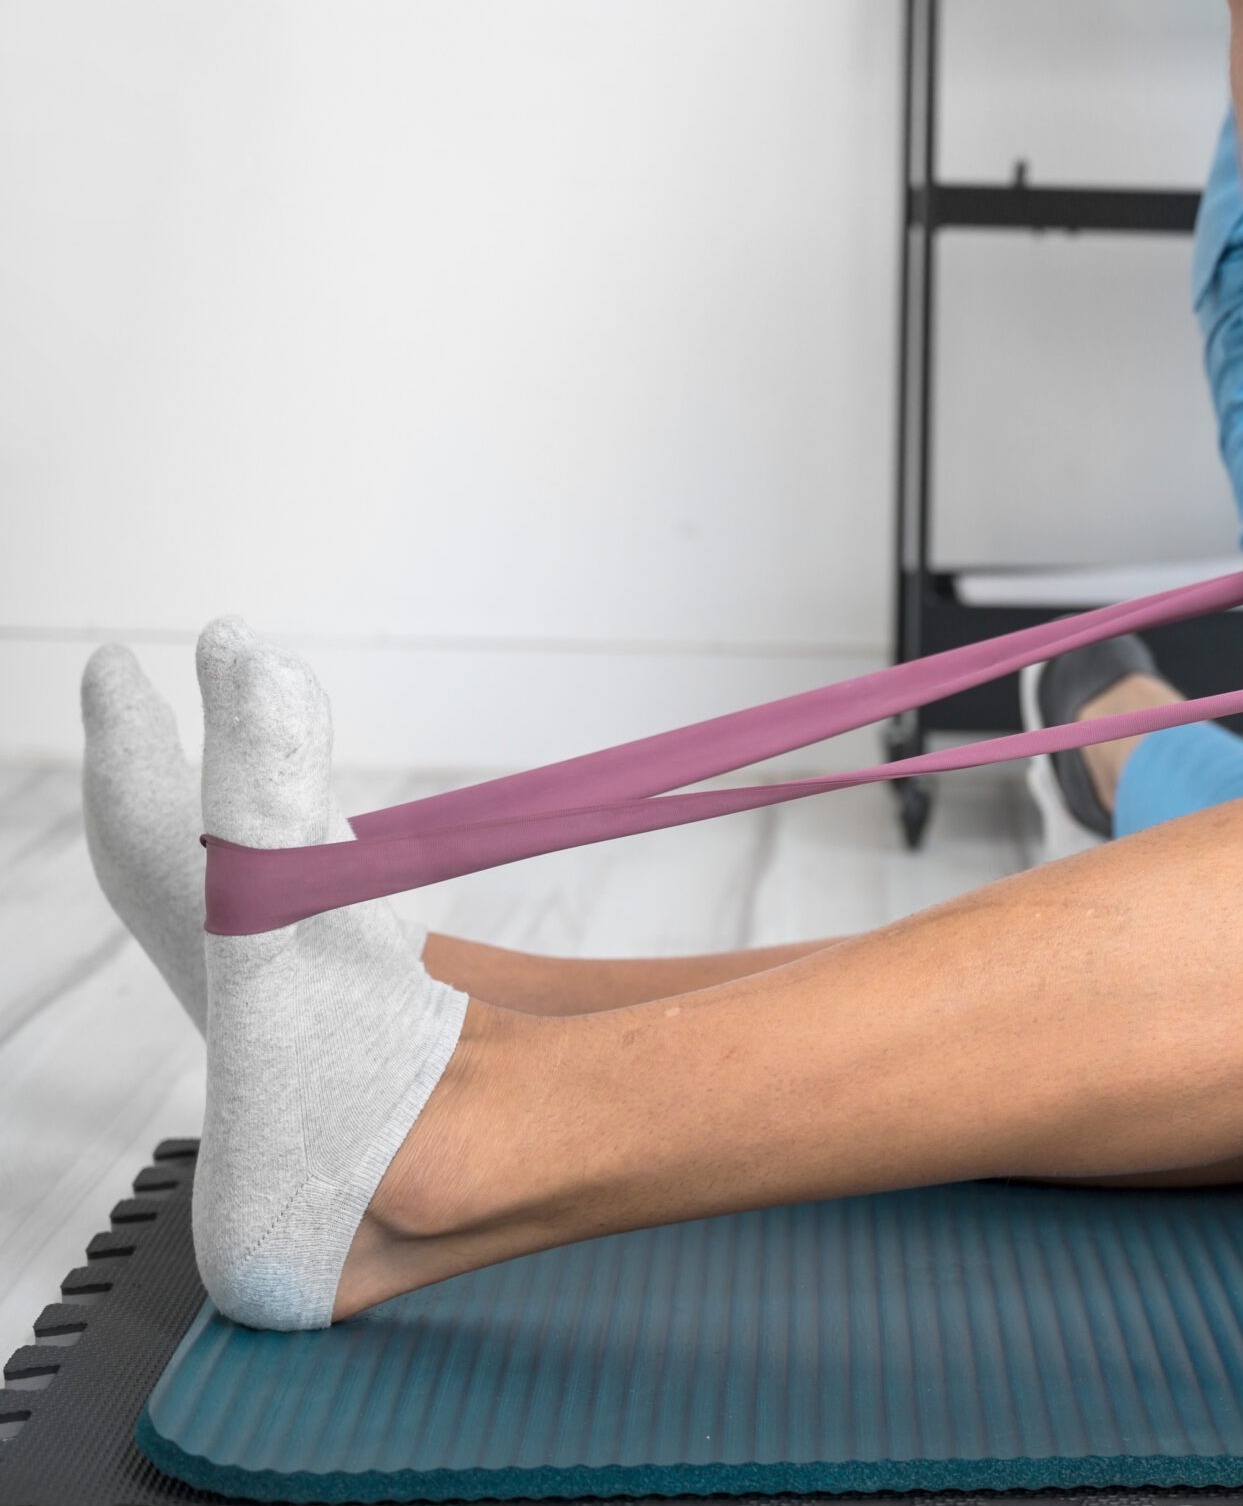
1105,761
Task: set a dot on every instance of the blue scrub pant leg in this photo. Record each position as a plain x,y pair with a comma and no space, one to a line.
1186,769
1176,772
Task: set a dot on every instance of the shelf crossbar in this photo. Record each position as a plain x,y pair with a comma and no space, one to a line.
981,206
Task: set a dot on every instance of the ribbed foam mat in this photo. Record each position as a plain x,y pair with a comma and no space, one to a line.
992,1336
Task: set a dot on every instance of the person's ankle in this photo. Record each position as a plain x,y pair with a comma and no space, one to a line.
464,1178
1105,761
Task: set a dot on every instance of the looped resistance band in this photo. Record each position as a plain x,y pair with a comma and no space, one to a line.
621,791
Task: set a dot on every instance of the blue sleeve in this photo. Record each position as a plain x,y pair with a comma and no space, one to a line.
1217,292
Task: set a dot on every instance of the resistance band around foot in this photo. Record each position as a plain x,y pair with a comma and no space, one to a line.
624,790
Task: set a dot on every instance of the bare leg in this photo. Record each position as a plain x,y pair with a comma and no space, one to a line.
1079,1020
562,985
572,985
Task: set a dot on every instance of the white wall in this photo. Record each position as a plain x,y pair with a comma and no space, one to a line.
530,363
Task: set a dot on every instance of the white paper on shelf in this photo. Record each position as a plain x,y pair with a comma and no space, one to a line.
1086,586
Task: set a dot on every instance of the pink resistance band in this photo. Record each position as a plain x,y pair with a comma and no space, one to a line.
624,790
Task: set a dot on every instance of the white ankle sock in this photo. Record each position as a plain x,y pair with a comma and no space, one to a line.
325,1040
140,800
143,810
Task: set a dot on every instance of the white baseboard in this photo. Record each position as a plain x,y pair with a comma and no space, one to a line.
458,708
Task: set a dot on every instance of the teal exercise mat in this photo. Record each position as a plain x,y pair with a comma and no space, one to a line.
977,1336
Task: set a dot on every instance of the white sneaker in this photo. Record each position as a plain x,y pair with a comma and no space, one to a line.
1061,836
1061,833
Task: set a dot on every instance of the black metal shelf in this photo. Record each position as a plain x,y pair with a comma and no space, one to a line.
981,206
1191,653
929,615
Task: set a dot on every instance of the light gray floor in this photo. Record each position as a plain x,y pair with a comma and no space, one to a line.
98,1063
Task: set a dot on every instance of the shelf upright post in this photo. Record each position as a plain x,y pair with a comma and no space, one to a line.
904,737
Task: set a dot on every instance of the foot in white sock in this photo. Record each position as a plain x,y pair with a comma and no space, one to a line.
143,810
141,803
325,1040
